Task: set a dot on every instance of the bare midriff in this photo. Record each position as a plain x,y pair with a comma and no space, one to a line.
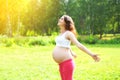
61,54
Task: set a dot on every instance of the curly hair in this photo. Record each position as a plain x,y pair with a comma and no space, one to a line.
69,24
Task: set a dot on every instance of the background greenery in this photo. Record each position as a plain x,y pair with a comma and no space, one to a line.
50,40
39,17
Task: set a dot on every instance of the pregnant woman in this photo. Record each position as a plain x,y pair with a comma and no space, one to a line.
62,53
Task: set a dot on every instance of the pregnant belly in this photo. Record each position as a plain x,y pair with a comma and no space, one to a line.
61,54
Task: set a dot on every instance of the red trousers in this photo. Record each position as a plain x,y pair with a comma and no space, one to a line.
66,69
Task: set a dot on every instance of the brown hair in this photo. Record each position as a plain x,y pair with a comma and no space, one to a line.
69,24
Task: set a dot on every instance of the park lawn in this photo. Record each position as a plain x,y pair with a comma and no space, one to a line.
36,63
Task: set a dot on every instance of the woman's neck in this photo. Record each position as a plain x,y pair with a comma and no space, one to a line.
62,30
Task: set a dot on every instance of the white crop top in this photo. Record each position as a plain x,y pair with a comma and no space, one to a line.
61,41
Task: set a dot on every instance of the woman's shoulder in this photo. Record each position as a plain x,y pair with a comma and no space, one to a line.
69,33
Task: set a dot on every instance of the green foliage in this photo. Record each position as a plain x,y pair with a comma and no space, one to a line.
31,33
27,41
95,39
42,42
41,16
111,41
79,38
9,42
91,39
50,40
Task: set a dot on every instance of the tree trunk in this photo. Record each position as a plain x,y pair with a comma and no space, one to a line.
9,27
100,35
18,27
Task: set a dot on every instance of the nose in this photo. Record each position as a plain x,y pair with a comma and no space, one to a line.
58,18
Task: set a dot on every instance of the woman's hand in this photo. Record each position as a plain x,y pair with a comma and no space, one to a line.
74,55
95,57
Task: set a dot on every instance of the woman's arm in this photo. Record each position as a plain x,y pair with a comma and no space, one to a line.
73,39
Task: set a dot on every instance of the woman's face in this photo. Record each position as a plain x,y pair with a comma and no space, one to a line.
61,21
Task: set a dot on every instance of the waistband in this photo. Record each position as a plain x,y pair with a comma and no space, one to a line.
66,61
63,46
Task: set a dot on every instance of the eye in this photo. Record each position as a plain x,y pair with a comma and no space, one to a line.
61,18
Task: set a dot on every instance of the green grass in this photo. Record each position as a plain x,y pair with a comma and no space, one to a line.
36,63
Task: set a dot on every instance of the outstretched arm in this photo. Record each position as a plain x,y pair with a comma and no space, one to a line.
81,46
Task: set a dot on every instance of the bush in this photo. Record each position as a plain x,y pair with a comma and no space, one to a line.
91,39
79,39
27,41
21,41
42,40
9,42
38,42
111,41
50,40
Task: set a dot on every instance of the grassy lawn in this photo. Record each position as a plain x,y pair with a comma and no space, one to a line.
36,63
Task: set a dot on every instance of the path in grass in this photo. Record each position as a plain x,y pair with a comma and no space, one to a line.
36,63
